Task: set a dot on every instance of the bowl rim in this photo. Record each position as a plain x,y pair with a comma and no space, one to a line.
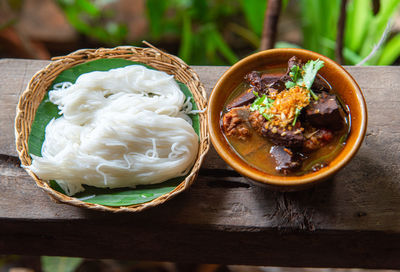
276,180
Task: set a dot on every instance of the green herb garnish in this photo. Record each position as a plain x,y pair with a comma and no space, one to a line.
296,115
262,104
305,76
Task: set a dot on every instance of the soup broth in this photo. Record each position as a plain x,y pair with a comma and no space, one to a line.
255,148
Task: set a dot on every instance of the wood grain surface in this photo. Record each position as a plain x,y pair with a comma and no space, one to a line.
352,220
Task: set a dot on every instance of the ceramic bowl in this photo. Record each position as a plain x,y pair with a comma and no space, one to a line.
340,80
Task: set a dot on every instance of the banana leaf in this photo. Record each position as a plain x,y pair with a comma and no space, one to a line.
108,197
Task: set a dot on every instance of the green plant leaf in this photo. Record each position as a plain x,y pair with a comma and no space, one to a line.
390,52
245,34
377,27
328,19
319,19
73,18
200,10
282,44
223,47
210,47
387,10
311,31
109,197
87,7
185,48
91,21
7,23
155,13
254,12
60,264
350,56
359,15
284,4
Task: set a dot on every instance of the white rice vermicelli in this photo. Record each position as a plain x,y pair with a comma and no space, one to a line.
120,128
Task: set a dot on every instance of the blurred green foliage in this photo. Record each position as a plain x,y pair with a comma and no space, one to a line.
362,32
15,6
198,23
213,32
60,264
88,18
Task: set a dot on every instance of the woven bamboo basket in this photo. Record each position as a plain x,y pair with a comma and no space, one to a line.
41,81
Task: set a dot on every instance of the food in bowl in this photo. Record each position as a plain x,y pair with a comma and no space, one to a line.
121,128
286,123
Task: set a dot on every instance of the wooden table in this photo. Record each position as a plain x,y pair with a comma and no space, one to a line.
352,220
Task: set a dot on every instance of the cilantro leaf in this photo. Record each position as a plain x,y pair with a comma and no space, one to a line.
289,84
310,71
262,104
295,73
305,76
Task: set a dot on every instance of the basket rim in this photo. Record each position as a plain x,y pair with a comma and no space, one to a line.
126,52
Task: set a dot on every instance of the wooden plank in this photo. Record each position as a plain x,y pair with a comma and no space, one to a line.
16,74
126,239
353,217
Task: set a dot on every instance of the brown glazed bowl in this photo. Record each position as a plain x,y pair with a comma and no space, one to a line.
340,80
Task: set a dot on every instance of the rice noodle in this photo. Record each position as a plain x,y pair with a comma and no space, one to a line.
120,128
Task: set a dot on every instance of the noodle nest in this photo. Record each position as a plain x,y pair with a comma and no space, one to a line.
121,128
